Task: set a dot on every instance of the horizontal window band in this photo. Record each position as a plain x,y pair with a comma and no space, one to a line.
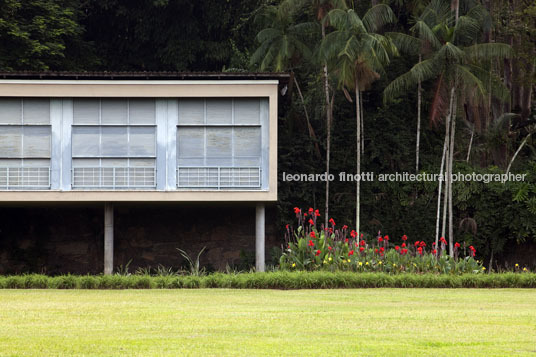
112,157
115,125
220,125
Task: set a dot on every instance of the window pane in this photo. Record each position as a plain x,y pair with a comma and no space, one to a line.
10,141
142,111
85,141
114,111
191,111
36,111
190,143
247,111
247,142
36,141
114,141
219,142
85,111
219,111
142,141
10,110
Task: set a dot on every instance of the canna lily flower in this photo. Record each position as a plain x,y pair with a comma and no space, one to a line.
318,252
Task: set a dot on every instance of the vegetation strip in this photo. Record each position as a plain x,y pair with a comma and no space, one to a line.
271,280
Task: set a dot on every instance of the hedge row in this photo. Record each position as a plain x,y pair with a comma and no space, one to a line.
272,280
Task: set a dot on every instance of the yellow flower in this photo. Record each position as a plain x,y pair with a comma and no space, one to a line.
524,269
325,261
366,263
517,265
483,268
414,264
394,264
380,262
361,264
294,265
330,259
344,261
349,260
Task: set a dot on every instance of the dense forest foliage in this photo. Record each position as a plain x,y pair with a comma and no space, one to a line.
375,86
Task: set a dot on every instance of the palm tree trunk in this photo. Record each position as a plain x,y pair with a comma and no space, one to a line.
451,164
447,149
451,149
517,152
470,144
358,157
312,134
328,129
419,88
362,119
439,192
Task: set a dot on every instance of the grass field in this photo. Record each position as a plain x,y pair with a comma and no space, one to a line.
386,322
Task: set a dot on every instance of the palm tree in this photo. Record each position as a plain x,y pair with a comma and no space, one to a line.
454,62
282,48
359,54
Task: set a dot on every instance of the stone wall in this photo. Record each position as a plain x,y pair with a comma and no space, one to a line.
69,239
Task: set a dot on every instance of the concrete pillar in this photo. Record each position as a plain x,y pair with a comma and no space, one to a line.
259,237
108,238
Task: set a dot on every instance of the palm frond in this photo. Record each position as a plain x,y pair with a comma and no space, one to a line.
406,43
487,51
377,17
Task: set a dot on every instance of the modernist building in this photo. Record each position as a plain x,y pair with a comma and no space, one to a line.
108,139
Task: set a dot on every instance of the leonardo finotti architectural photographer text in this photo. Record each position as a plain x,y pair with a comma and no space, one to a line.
402,177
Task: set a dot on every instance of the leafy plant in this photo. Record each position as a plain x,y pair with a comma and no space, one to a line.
194,266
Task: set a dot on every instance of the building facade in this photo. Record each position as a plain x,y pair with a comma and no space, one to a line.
140,138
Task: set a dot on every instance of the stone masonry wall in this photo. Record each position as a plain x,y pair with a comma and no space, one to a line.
69,239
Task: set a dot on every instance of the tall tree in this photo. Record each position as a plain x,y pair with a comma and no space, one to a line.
42,35
455,63
359,53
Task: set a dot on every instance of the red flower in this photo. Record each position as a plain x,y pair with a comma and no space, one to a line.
397,248
297,210
380,239
351,253
362,242
318,252
386,238
473,250
381,254
403,245
344,227
286,227
404,251
434,252
357,245
443,240
304,215
433,244
311,222
375,250
422,244
361,249
317,213
330,230
404,237
419,250
332,221
346,240
417,243
382,249
311,244
330,249
312,234
456,245
353,234
361,235
311,210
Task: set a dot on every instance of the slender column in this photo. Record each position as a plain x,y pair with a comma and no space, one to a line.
108,238
259,237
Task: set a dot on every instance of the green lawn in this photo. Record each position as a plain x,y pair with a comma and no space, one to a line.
386,322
